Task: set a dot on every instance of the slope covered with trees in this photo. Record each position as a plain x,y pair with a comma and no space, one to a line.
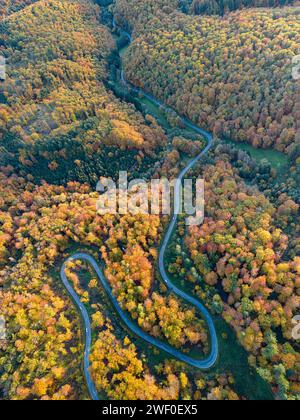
134,15
236,260
221,7
57,119
10,6
60,122
55,100
232,75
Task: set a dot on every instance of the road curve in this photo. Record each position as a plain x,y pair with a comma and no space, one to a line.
199,364
209,137
88,331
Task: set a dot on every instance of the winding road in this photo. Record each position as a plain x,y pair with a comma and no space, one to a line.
199,364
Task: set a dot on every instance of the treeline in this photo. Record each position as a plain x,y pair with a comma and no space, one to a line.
221,7
232,75
56,116
134,15
10,6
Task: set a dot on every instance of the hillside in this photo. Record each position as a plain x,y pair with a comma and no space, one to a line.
8,7
231,75
221,7
57,119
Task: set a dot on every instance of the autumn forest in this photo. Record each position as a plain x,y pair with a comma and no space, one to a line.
156,88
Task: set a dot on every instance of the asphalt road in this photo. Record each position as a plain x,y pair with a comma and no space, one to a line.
199,364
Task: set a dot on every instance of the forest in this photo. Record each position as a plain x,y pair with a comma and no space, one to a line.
57,119
11,6
43,326
67,120
232,75
238,253
221,7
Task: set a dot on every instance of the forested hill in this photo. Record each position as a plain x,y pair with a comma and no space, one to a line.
58,121
135,12
10,6
132,14
221,7
232,75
